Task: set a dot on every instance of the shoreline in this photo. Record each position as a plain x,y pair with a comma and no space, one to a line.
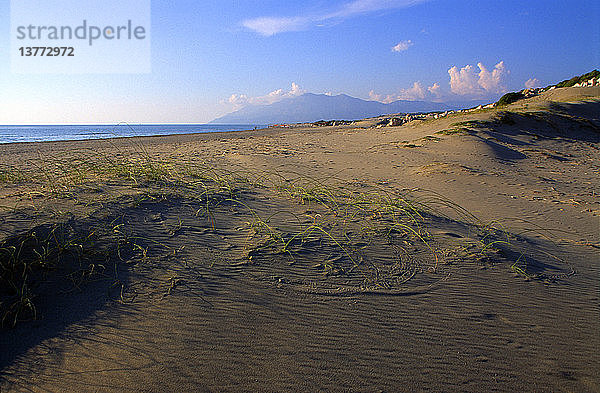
125,136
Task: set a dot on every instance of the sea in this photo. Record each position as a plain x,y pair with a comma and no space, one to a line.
45,133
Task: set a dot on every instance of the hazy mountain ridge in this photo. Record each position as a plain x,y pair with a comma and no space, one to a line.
311,107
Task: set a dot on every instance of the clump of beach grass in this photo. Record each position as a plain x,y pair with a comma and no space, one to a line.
338,216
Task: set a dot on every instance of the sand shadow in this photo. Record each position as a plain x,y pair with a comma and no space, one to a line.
569,122
62,305
502,152
64,273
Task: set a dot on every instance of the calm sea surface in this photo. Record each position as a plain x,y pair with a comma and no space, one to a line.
40,133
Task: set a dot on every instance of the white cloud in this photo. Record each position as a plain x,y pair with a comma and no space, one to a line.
296,90
238,101
269,26
463,81
375,97
492,81
435,90
414,93
467,81
532,83
357,7
402,46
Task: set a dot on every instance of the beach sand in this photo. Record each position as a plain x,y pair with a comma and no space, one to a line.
459,254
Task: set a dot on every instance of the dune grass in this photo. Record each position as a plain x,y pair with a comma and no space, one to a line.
27,259
346,218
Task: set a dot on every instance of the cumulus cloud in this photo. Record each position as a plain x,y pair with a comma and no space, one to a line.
467,81
271,25
375,97
463,81
238,101
402,46
435,90
414,93
532,83
492,81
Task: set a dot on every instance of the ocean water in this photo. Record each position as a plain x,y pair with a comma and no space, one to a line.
42,133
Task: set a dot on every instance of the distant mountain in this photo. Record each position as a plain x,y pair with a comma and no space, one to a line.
313,107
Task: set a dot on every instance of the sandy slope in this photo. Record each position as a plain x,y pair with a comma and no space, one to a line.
199,318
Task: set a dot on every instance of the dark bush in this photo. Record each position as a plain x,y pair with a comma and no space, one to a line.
505,118
509,98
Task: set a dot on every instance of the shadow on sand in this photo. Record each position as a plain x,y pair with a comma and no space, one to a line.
80,289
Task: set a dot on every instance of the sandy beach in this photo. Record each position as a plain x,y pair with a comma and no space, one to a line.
459,254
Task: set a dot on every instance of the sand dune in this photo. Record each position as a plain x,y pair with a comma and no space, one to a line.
458,254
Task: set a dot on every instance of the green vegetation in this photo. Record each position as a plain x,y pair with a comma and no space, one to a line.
27,259
9,176
512,97
579,79
505,117
431,138
464,127
454,131
509,98
472,124
364,237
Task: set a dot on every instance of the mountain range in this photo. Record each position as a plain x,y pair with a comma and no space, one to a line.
311,107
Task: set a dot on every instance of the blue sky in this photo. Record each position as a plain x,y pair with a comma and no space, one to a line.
209,58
